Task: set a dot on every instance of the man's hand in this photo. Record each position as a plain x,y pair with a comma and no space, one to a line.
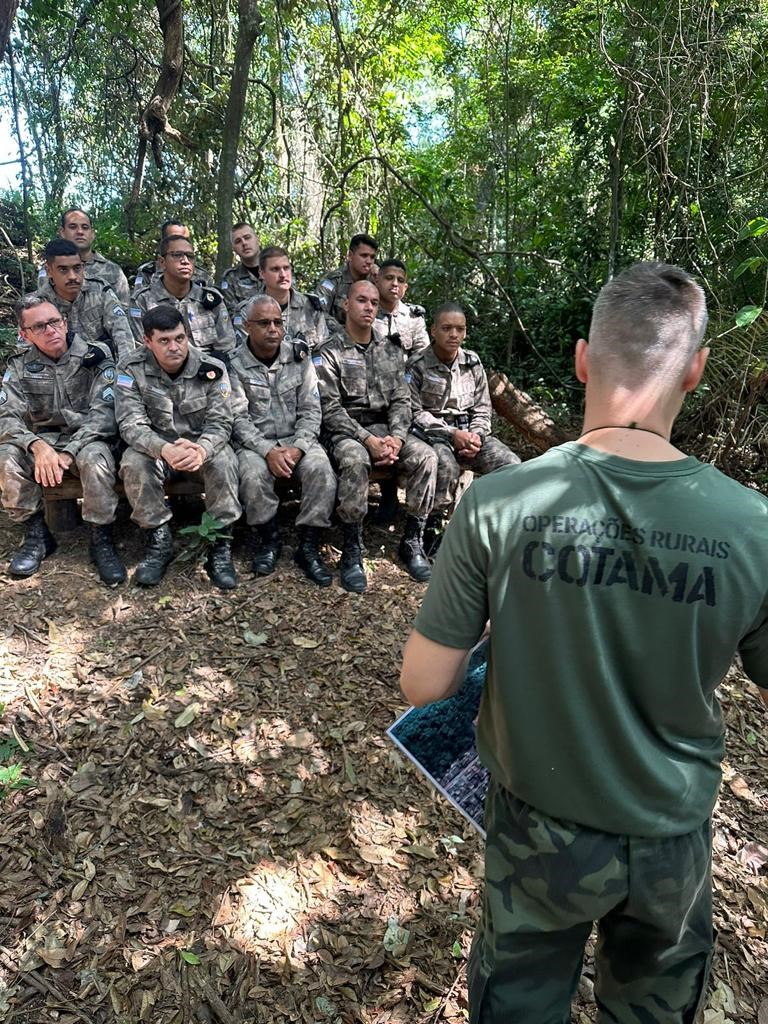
384,451
184,455
49,464
466,443
283,461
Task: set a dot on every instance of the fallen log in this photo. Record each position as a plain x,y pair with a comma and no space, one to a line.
525,415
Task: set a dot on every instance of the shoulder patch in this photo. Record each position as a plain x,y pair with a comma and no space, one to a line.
210,371
34,366
108,374
316,303
473,359
136,312
6,376
108,395
118,311
224,388
224,284
211,298
3,396
408,377
300,347
124,380
418,310
94,355
328,283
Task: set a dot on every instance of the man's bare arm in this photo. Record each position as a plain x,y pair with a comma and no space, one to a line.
430,670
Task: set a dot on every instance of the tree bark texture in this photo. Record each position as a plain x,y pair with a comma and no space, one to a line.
525,415
249,23
7,14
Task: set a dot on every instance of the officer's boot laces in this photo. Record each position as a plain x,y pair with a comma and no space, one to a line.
158,552
412,550
308,558
351,571
103,552
219,565
267,548
39,542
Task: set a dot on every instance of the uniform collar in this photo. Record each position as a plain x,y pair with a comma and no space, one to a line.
431,360
158,288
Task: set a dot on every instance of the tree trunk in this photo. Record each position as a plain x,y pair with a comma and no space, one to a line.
520,410
249,22
153,123
7,14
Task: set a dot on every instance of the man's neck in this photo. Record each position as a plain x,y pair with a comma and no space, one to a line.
87,256
251,262
639,434
282,296
360,335
179,287
388,307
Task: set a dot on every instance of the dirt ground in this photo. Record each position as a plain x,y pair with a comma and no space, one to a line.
212,826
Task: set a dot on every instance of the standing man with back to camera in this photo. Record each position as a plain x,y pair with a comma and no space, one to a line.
617,596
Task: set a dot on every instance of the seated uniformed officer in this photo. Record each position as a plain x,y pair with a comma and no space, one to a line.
452,409
174,410
242,281
91,308
57,415
333,287
202,307
302,314
403,321
76,226
277,437
366,420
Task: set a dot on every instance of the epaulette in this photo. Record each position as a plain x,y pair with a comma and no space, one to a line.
316,303
395,339
472,358
417,310
300,347
139,355
210,369
96,353
211,297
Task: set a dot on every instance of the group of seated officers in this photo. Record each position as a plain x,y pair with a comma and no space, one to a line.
244,386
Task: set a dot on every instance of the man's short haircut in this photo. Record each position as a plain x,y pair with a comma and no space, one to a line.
357,240
259,300
75,209
240,225
447,307
394,263
171,224
646,322
31,301
163,317
271,253
59,247
169,240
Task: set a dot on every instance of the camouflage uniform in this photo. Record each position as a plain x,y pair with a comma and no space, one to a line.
96,315
280,405
406,326
447,398
332,289
205,316
147,271
363,392
153,410
99,268
303,314
70,405
546,882
238,285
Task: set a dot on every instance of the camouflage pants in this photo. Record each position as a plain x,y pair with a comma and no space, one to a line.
314,474
493,455
144,481
547,881
22,496
417,465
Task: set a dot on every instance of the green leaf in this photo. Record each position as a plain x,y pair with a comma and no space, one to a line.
754,228
456,950
747,315
254,639
188,957
750,265
694,209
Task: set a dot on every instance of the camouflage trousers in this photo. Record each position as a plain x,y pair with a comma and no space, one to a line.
417,466
314,474
547,881
144,481
493,455
94,464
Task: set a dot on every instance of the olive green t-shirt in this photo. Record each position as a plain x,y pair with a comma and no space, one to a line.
618,592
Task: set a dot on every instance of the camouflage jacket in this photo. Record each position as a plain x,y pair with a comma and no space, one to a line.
147,271
205,316
406,326
440,394
67,402
99,268
238,285
277,404
332,289
361,385
154,409
96,315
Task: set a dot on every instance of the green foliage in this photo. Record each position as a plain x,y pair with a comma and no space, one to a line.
11,769
202,536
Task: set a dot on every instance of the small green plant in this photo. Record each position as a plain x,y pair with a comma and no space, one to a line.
11,770
202,536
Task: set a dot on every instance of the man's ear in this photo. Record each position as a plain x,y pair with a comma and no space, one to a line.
695,370
581,360
405,289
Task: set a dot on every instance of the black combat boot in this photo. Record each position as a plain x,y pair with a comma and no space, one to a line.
102,551
269,544
39,542
412,550
308,558
351,571
389,505
158,552
219,566
433,534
